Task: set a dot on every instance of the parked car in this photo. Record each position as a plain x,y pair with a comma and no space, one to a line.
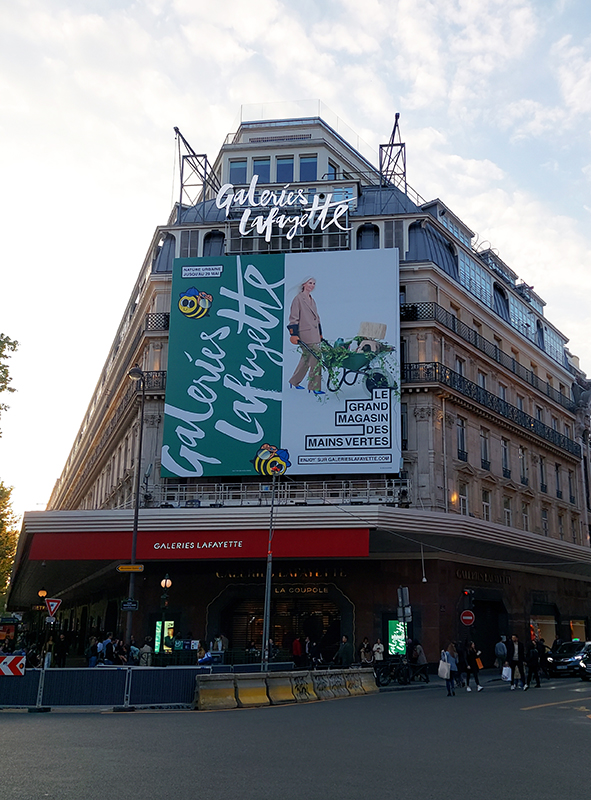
566,660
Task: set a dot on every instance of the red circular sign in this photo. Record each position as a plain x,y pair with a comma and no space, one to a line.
467,617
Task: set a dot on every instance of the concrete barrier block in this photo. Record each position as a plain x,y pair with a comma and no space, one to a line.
251,690
353,682
322,687
338,683
302,687
368,681
213,692
279,688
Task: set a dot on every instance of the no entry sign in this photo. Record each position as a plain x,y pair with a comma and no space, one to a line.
467,617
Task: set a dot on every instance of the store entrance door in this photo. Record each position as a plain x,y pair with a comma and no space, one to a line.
491,620
290,619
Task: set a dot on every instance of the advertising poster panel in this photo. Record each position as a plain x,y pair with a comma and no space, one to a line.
286,361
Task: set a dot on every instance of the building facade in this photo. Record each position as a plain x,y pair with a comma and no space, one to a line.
485,507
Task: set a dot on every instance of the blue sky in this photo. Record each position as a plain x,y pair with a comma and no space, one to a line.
495,104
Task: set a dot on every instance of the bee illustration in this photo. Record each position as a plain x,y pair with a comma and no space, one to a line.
270,460
194,304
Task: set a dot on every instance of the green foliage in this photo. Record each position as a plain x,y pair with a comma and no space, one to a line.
7,346
8,540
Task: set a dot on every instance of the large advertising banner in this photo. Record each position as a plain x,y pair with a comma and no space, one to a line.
285,361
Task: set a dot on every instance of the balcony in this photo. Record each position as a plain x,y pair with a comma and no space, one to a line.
524,481
544,488
572,499
158,322
462,455
559,494
435,372
506,472
485,464
410,312
386,491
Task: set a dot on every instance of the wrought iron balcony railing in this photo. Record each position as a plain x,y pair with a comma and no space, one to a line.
388,491
158,322
433,311
435,372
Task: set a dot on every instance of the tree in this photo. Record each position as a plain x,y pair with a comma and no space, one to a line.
8,539
6,347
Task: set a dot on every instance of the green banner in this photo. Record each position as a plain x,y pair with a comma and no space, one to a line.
223,394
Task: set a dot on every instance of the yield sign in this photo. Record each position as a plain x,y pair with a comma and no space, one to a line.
52,605
12,665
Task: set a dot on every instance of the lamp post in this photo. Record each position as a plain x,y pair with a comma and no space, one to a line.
166,583
42,594
276,470
136,374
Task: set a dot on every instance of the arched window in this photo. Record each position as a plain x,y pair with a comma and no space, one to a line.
501,302
540,335
368,237
213,244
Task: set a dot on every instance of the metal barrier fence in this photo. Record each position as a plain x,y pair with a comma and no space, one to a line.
112,686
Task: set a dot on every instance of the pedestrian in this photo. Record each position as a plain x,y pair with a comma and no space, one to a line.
449,656
146,652
307,655
60,651
462,665
365,651
378,651
556,643
91,652
418,654
474,664
107,650
515,659
500,654
543,653
316,655
533,665
296,651
344,656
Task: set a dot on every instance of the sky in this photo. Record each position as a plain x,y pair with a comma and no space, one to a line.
494,99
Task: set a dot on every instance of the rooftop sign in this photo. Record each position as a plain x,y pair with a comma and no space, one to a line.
275,208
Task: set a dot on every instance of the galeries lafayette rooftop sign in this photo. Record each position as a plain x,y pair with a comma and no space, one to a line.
273,207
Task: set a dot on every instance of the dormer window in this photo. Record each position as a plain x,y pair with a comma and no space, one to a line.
501,303
368,237
213,243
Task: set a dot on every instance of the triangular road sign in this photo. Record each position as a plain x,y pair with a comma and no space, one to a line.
52,605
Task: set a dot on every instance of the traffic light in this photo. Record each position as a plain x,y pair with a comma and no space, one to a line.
469,599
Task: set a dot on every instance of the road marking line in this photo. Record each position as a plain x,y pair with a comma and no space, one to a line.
546,705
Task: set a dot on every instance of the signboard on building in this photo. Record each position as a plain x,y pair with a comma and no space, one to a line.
242,396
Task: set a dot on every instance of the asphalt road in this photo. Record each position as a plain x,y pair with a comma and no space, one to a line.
409,744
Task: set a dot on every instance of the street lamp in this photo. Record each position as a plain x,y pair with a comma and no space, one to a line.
136,374
266,655
166,583
42,594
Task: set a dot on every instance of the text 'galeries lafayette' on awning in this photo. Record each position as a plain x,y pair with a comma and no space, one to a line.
200,545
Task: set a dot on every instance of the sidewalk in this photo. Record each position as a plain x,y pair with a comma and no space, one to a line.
486,676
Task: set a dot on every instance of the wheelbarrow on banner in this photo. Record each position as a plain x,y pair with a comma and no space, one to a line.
366,362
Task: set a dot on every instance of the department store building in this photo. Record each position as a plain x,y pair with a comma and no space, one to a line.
451,458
